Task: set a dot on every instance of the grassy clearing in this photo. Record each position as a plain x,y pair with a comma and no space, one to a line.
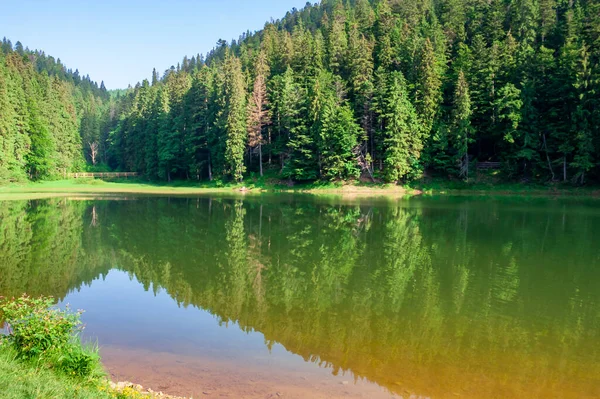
253,185
99,186
487,186
482,185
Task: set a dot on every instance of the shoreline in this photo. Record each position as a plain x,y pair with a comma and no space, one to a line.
67,188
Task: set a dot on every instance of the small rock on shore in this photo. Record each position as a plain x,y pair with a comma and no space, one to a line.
129,387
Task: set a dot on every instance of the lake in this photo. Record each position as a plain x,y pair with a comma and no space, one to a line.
299,296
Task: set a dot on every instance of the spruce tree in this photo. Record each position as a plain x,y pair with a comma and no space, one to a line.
461,126
337,45
402,139
335,131
428,94
236,130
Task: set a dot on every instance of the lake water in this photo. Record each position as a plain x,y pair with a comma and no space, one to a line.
297,296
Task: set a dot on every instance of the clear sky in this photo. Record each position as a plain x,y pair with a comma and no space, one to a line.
120,41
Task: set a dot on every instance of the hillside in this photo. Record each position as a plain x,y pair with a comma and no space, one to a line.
48,115
387,90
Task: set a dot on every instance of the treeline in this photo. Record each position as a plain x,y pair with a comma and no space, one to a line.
48,115
386,89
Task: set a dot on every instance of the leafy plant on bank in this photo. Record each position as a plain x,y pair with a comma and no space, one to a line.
41,333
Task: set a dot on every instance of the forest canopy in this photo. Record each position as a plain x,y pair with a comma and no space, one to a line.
384,89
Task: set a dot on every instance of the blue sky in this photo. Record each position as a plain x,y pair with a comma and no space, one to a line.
120,41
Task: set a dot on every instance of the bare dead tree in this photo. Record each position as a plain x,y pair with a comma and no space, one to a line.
93,151
258,114
362,159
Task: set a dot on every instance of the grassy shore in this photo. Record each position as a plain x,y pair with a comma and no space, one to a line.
490,187
42,356
32,190
90,186
20,380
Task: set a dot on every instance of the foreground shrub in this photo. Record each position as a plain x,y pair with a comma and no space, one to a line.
40,332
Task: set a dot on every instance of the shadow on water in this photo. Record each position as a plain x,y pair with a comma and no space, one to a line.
434,296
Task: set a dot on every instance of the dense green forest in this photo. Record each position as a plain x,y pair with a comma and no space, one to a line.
50,116
383,89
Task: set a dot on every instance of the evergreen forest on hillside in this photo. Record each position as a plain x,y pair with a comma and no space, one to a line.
49,115
386,90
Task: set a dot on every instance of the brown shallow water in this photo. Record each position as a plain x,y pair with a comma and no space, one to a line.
191,376
299,296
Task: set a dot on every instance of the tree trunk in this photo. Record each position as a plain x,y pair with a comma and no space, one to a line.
260,159
467,155
210,177
548,158
372,151
565,168
270,148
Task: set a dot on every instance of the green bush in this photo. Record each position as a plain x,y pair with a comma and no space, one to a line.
79,361
11,176
99,168
40,332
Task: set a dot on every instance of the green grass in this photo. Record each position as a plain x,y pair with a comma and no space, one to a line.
481,185
487,186
91,186
24,380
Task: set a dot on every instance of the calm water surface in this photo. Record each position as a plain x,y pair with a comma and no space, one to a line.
421,297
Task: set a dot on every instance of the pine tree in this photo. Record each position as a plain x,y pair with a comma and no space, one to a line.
236,129
361,85
428,94
337,45
199,119
167,143
583,121
384,24
400,130
509,106
461,125
335,131
155,77
291,122
40,163
365,16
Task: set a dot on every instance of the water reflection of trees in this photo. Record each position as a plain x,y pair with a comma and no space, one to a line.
431,299
42,249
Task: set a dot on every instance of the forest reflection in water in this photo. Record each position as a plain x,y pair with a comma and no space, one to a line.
432,296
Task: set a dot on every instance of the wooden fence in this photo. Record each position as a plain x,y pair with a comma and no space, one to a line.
107,175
